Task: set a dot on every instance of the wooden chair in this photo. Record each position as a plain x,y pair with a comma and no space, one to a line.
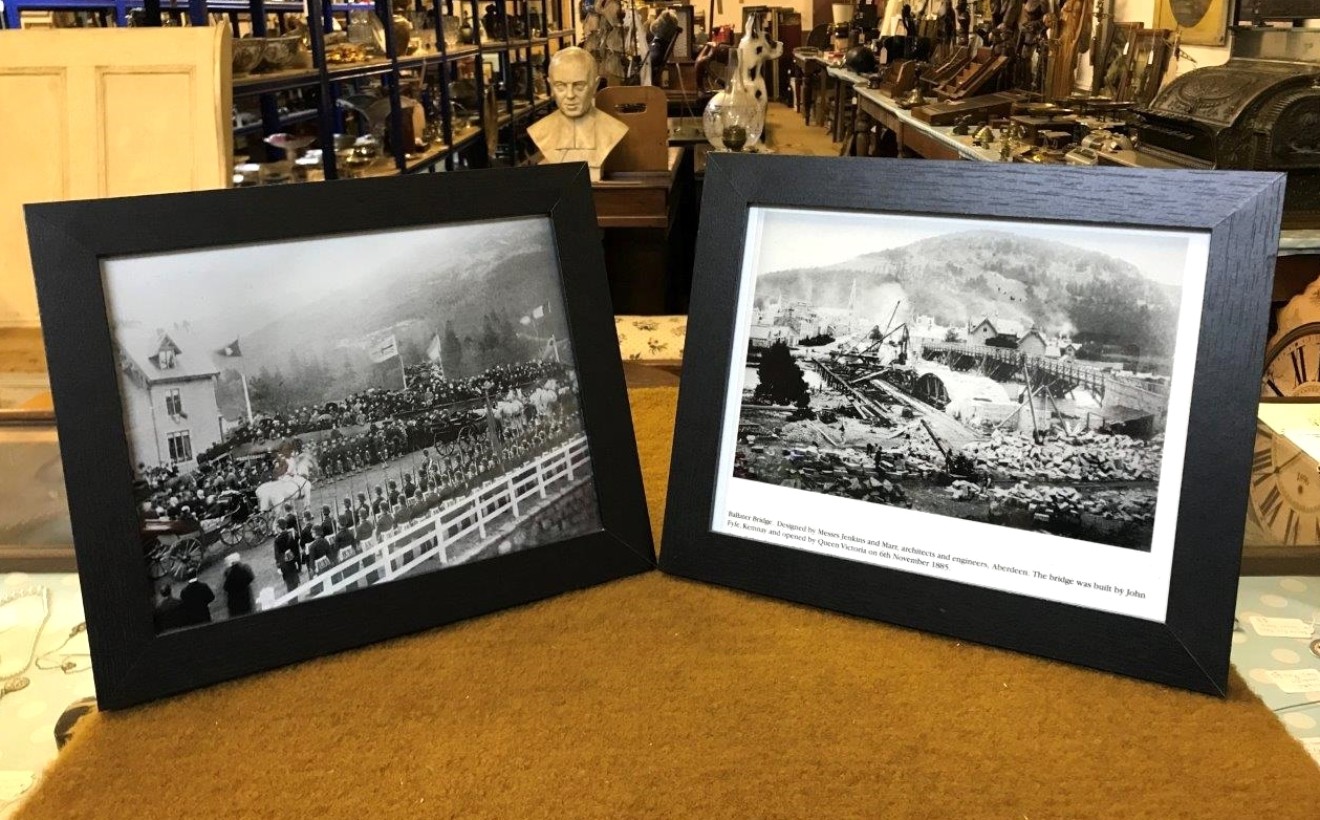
644,109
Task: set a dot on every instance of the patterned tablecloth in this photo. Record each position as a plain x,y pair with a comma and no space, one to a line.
651,339
28,717
1260,658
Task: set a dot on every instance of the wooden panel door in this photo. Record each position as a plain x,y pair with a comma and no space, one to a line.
89,113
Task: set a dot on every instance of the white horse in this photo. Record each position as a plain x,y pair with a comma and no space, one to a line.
542,398
510,413
294,485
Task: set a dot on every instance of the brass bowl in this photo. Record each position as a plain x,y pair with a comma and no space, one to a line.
247,54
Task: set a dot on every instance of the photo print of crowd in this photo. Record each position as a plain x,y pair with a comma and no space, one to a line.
316,416
1011,374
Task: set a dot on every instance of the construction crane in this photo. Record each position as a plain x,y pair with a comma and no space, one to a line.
869,347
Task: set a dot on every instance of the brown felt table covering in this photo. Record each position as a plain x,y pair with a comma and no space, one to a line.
662,697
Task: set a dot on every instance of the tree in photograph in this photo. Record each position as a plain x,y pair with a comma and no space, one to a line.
780,377
490,342
264,389
515,348
451,352
952,335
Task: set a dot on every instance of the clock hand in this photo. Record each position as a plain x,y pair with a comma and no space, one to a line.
1296,456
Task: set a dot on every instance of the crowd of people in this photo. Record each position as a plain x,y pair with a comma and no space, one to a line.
441,448
313,543
427,390
223,485
213,490
341,455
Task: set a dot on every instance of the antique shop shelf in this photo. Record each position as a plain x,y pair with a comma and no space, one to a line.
461,52
287,120
276,81
427,159
234,5
467,136
355,71
436,58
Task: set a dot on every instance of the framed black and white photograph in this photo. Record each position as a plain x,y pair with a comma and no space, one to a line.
1012,409
373,409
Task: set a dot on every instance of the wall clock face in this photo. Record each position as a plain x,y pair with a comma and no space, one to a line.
1292,365
1285,490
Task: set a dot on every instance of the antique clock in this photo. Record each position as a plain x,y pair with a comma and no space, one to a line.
1292,365
1285,482
1283,522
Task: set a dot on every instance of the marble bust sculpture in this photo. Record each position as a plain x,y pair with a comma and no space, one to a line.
577,131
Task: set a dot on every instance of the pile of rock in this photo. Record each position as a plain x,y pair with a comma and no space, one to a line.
966,491
1048,504
1084,457
834,472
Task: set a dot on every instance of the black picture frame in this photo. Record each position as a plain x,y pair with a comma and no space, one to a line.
68,241
1239,211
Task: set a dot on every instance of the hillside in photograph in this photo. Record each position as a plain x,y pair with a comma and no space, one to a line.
963,277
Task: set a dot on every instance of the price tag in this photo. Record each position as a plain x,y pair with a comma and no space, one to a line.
1281,627
1296,681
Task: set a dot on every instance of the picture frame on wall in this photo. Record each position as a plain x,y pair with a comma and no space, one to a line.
300,419
1195,22
1015,406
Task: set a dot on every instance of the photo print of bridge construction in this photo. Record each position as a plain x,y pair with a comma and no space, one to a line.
1012,374
313,417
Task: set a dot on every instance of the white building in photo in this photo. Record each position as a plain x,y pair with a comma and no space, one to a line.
1032,343
763,336
168,384
992,328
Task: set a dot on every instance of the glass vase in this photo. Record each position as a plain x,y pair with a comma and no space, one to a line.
735,110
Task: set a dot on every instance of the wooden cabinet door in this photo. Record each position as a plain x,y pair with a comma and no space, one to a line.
89,113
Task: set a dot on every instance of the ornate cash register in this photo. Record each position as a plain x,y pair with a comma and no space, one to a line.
1258,111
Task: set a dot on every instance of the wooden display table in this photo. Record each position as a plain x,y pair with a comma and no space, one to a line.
843,80
813,78
917,138
649,263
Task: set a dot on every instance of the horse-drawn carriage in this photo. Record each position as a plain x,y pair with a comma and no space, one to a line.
177,548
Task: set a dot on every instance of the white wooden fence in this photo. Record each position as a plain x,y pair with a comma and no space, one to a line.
406,547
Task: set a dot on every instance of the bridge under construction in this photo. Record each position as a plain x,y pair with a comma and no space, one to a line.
1120,399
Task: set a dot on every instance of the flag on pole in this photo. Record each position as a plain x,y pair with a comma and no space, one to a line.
230,350
551,350
384,349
